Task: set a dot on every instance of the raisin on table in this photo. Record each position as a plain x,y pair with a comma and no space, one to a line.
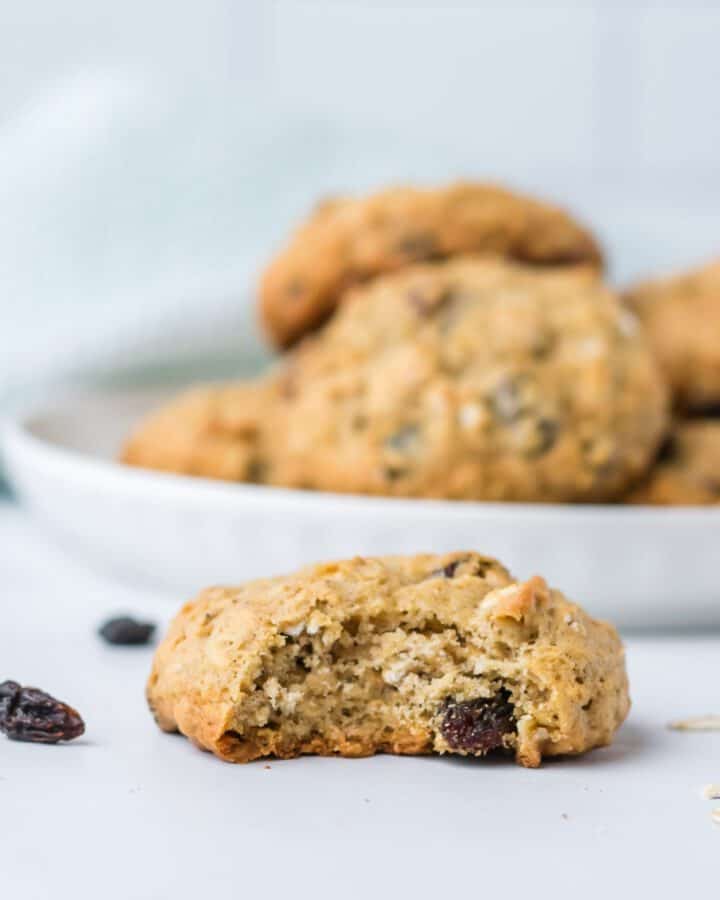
29,714
126,631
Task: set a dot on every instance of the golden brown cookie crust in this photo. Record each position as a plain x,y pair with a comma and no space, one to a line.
390,655
688,470
474,379
682,318
348,241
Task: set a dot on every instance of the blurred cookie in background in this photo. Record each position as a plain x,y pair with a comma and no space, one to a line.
687,472
213,431
347,241
477,379
471,379
682,318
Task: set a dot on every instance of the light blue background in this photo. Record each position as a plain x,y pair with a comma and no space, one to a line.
152,155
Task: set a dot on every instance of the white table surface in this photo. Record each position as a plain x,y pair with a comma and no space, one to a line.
127,812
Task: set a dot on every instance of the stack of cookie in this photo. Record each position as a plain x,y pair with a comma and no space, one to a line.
460,343
681,317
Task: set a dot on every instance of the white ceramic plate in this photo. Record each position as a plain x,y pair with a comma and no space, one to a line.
638,566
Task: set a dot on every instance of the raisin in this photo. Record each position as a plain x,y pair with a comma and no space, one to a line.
478,726
257,471
449,570
705,411
545,438
9,691
126,631
478,568
669,451
28,714
404,439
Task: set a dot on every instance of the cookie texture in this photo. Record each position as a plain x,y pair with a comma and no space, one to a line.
687,472
214,431
347,241
408,655
474,379
682,318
